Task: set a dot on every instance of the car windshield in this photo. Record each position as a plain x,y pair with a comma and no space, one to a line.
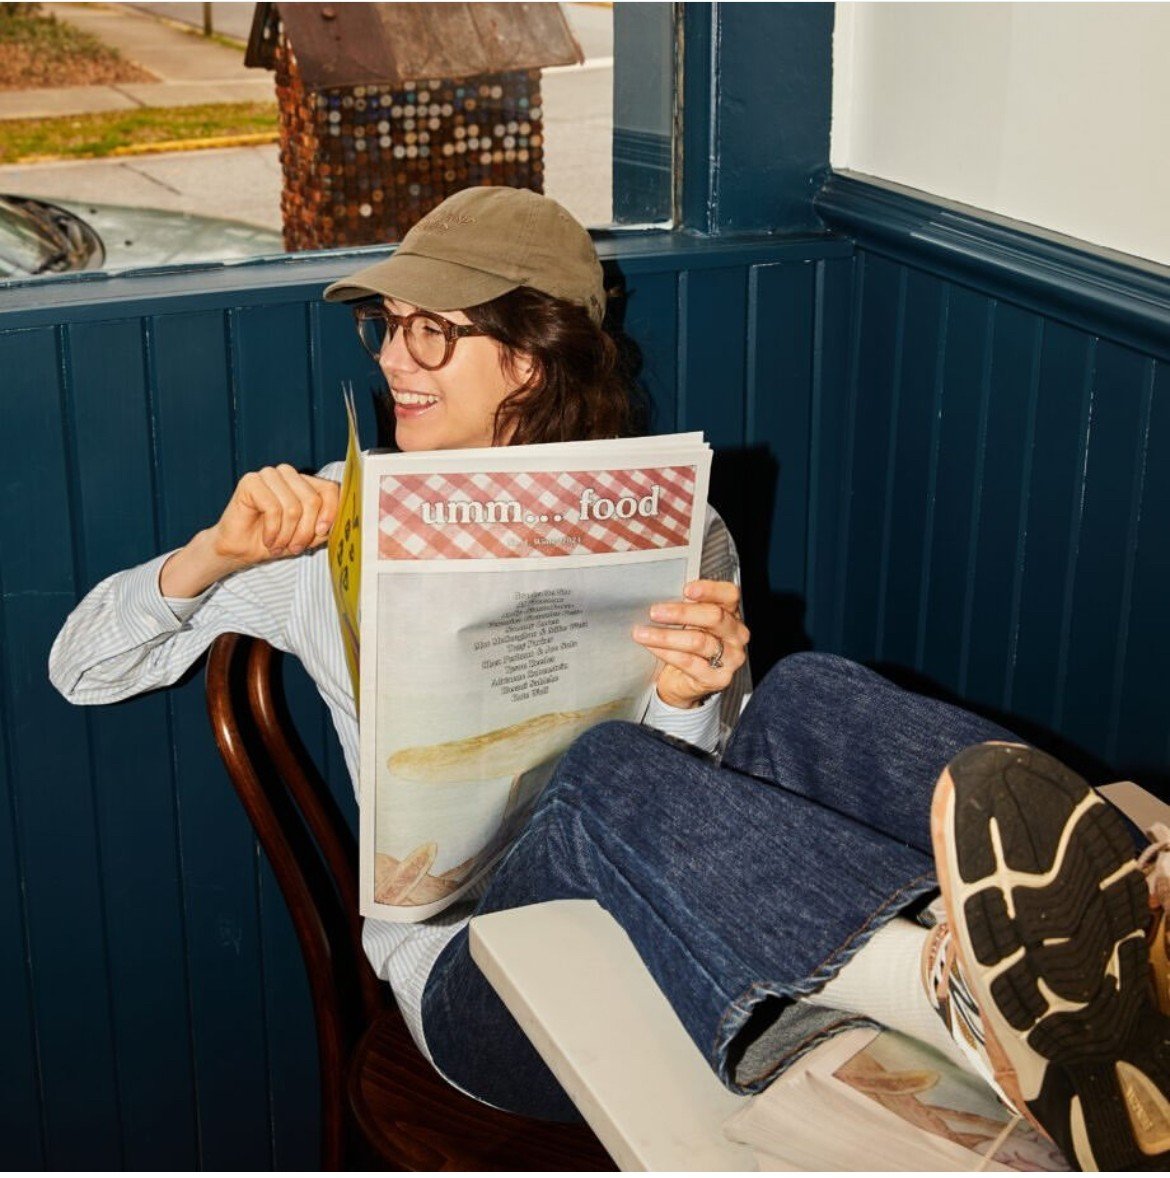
39,238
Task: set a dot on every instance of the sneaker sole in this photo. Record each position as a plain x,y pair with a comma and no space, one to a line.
1049,909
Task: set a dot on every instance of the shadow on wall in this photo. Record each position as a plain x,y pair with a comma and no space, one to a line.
743,491
1095,770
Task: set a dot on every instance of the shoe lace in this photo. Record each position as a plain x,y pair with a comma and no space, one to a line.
1155,862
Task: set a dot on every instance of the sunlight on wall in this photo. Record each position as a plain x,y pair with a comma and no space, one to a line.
1054,114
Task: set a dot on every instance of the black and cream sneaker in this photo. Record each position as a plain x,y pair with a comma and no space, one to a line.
1049,910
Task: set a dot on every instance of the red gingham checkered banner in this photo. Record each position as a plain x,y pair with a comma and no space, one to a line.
515,514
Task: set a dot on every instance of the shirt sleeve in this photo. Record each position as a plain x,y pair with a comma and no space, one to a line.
698,726
125,637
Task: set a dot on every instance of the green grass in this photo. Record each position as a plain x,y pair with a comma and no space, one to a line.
93,136
38,51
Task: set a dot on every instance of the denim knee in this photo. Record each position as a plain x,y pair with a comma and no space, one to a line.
616,769
810,669
583,767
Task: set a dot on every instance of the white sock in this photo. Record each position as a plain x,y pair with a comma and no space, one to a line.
883,981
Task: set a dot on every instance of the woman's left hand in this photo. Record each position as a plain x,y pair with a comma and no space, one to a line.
701,655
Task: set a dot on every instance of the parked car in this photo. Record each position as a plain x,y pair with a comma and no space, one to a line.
39,237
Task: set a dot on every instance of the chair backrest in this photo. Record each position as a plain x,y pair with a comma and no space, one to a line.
311,850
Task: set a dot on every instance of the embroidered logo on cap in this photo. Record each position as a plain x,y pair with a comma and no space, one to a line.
437,224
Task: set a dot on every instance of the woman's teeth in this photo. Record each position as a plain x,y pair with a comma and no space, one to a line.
403,398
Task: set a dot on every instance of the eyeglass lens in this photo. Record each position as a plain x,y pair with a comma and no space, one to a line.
425,340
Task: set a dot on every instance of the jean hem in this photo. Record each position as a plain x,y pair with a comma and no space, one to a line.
740,1009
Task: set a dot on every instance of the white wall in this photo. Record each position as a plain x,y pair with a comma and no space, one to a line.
1054,114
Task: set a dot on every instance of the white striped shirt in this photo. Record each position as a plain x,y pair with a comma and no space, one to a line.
125,638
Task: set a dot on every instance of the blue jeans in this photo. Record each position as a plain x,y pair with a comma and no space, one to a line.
743,885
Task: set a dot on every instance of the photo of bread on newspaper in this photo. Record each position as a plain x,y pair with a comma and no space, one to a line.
504,752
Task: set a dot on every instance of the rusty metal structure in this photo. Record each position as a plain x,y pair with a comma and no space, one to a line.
386,109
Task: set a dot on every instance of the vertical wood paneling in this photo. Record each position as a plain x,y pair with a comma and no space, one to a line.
1022,499
1052,512
988,634
1141,743
877,362
831,355
1141,457
905,525
272,347
21,1123
778,399
775,464
712,364
48,759
131,756
335,356
195,461
1107,520
957,483
712,348
20,1113
293,1074
650,323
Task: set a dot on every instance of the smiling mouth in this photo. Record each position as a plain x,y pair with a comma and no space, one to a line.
413,400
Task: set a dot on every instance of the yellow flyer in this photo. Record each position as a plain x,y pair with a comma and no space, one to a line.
345,547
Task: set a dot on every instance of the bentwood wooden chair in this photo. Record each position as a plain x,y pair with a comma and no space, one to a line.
382,1104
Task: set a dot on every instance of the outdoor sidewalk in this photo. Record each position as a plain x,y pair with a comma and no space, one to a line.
191,69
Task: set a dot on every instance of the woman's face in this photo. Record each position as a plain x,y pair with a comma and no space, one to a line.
453,407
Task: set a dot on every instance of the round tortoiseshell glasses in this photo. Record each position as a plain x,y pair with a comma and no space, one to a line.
430,339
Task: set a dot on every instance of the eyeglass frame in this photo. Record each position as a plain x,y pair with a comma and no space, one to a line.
452,332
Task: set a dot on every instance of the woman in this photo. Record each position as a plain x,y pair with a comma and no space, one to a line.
486,323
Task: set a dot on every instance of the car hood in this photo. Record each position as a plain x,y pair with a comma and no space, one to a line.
135,237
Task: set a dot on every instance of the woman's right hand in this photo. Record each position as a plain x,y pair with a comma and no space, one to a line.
274,512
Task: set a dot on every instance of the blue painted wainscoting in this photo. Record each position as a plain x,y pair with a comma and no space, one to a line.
942,443
153,1007
1003,457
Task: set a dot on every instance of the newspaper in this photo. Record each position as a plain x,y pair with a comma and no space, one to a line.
498,589
894,1104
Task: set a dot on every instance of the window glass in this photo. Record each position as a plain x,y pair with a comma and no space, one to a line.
155,167
643,116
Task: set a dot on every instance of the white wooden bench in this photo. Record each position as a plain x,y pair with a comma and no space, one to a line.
574,982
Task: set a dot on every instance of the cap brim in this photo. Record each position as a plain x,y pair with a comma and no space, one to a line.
424,282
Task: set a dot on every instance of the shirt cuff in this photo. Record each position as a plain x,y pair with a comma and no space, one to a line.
184,608
144,611
698,726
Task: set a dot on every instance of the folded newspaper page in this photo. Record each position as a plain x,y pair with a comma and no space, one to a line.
893,1104
498,591
345,551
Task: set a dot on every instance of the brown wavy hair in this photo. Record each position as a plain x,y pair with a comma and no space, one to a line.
578,390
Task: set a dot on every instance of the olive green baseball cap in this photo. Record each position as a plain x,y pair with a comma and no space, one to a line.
480,244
